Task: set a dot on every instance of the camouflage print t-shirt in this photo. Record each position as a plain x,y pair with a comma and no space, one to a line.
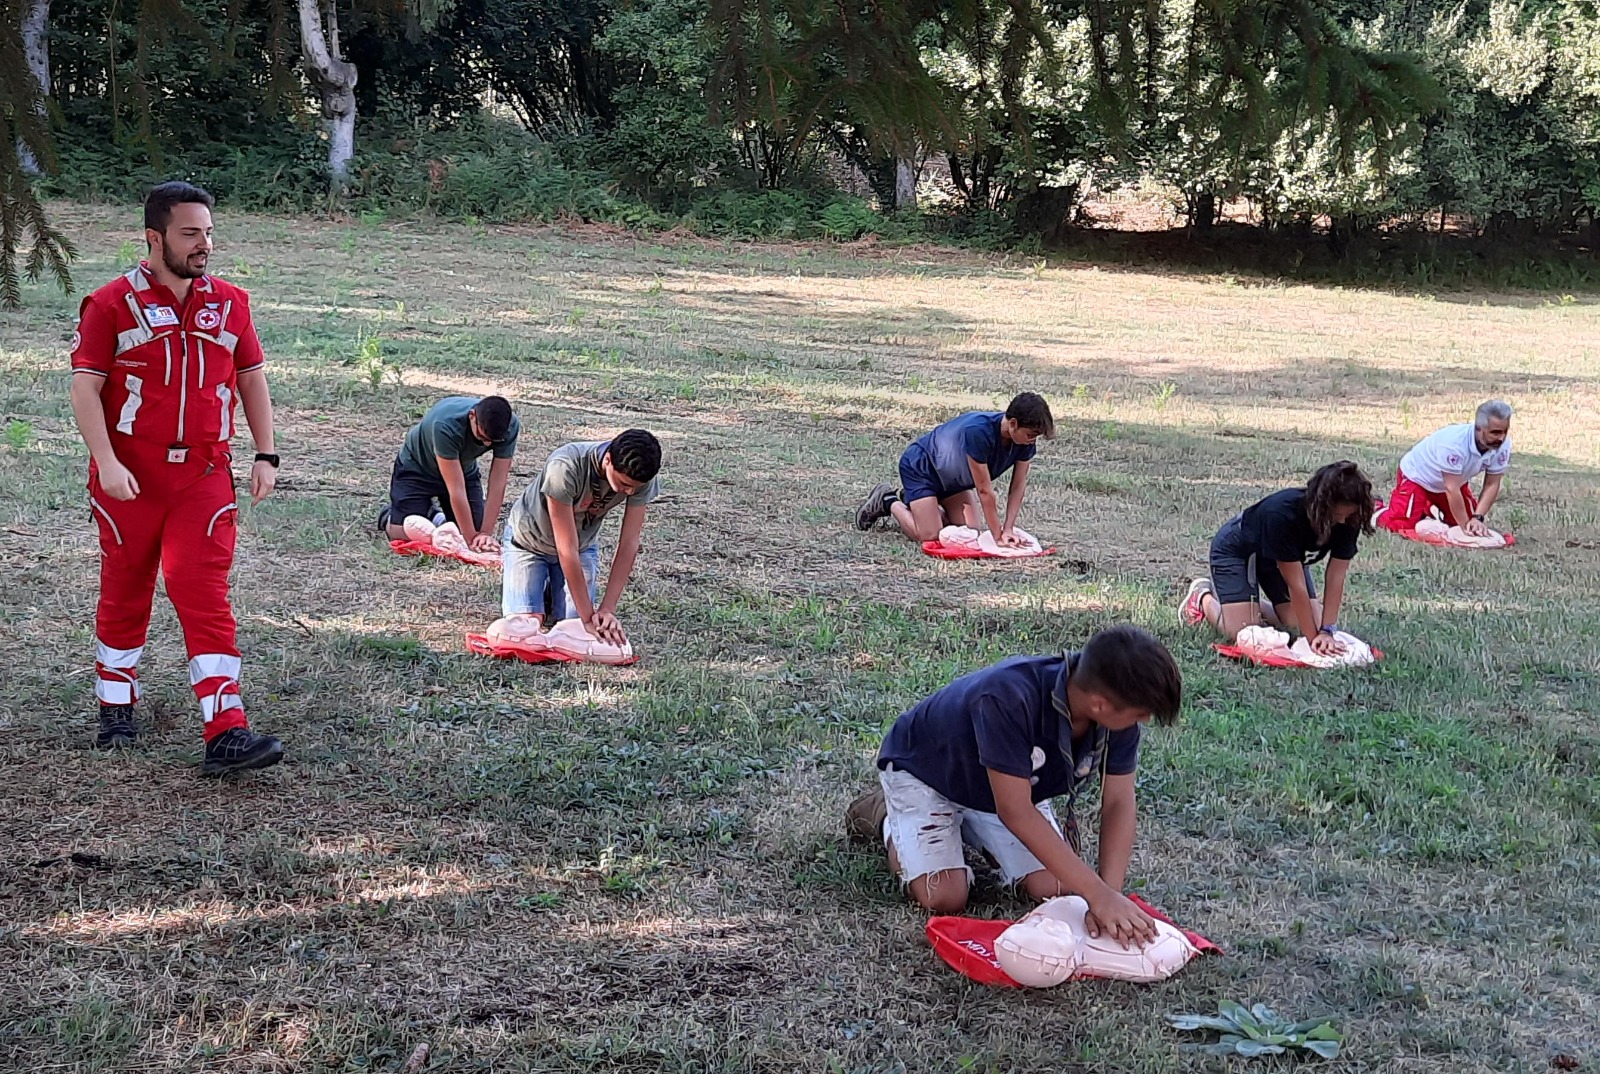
572,475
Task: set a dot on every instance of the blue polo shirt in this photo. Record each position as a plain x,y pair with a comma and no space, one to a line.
1010,717
940,455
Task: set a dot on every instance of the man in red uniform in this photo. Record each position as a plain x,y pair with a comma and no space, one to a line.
161,357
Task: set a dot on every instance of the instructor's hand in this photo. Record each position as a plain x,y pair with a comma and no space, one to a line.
1009,539
117,482
1325,645
263,479
485,542
1115,915
1476,527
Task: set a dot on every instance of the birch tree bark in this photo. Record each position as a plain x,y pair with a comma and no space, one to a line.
334,80
36,48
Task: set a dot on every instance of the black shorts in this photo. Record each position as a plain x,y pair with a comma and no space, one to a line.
1236,577
412,492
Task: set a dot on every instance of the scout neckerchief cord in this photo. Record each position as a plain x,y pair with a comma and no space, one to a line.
1081,770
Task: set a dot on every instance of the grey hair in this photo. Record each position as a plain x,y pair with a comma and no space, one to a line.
1493,410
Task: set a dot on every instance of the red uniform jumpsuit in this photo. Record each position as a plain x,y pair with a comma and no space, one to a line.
171,387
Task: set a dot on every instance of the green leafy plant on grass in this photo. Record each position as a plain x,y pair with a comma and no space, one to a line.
371,363
18,435
1259,1031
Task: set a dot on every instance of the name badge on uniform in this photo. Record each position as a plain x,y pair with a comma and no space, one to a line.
178,453
161,316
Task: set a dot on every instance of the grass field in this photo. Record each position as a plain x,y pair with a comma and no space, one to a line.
643,869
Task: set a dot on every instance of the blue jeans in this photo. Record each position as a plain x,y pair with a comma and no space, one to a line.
528,577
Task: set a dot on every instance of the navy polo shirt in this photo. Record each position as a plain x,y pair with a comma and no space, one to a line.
942,453
1010,717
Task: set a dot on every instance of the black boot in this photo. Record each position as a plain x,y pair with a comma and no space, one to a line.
118,727
239,749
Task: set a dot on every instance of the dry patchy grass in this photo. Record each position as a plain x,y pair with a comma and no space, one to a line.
643,869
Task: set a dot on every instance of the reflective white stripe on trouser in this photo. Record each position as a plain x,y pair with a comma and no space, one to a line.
217,703
213,666
130,406
115,533
119,691
118,680
212,525
117,658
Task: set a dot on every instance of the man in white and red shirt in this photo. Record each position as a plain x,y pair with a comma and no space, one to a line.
1437,472
161,357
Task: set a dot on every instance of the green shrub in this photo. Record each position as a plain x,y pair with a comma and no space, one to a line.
847,219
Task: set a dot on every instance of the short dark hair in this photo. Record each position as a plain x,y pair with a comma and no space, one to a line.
636,453
159,202
1335,484
1030,411
1131,666
494,417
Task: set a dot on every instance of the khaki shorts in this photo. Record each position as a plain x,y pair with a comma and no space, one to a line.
928,831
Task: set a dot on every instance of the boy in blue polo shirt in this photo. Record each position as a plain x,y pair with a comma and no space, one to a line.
947,475
979,760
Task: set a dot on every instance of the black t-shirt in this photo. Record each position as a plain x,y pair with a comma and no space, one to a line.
1277,530
1007,717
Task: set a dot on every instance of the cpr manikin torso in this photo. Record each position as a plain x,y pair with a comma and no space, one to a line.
446,538
567,637
1265,640
1447,534
1053,944
966,537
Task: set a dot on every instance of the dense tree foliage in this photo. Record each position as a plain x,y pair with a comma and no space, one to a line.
1339,115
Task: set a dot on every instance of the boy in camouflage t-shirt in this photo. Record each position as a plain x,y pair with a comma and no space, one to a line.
552,534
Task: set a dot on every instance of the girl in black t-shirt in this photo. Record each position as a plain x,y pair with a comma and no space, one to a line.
1268,549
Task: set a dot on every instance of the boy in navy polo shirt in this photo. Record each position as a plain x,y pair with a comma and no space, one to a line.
947,475
979,760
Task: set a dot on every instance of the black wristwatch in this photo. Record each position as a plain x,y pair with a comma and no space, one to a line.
262,456
1478,517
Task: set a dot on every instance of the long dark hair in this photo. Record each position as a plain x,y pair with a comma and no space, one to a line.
1334,485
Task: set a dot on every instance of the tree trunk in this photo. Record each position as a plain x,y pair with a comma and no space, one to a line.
905,183
335,81
36,48
1203,211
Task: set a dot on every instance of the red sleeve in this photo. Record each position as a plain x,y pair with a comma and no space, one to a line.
248,354
94,344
